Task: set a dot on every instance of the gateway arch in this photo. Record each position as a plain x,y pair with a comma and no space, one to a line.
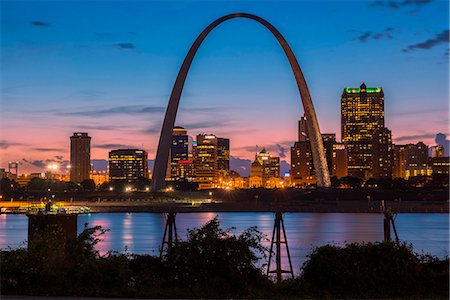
165,140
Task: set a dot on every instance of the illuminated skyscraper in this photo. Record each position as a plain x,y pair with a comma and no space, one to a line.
416,160
362,113
223,157
211,160
205,161
339,160
302,165
270,165
80,156
180,151
382,154
128,164
399,161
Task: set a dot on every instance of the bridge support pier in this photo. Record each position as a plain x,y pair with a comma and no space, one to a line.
276,239
170,233
387,223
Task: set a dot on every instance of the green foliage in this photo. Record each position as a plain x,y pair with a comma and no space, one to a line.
8,187
88,185
54,265
214,263
42,185
373,270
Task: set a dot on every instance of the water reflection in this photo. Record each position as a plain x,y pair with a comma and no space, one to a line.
141,233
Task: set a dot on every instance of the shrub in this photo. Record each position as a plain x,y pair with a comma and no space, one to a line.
214,263
372,270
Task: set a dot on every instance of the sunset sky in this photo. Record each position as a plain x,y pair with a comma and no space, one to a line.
107,68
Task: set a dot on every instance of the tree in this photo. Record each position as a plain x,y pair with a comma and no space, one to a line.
215,263
185,185
440,180
371,183
373,270
335,182
399,183
88,185
142,184
352,182
7,186
37,184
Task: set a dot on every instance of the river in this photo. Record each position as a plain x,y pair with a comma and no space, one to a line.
141,233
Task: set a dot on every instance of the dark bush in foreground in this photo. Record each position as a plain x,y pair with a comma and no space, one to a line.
212,263
373,270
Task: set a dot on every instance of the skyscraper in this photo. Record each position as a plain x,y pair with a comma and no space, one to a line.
80,156
302,165
339,160
128,164
382,154
270,166
399,161
223,157
180,151
329,139
416,160
362,113
205,161
302,130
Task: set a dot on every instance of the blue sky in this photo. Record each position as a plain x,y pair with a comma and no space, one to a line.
107,67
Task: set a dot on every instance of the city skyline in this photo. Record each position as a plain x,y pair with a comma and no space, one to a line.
114,84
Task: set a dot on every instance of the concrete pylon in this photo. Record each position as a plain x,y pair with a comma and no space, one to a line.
162,154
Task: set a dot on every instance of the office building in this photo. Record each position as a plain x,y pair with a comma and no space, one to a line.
180,151
440,165
185,170
205,161
256,175
270,167
223,157
362,113
398,169
437,151
270,164
411,160
80,157
303,135
329,139
302,165
128,164
211,160
339,160
382,154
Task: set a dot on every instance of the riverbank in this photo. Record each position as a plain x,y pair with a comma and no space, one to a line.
316,206
251,200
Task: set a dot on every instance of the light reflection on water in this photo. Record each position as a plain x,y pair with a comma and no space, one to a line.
141,233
